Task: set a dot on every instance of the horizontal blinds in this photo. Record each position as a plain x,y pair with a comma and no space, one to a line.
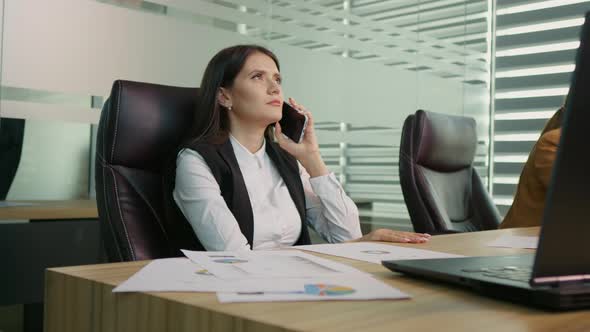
536,42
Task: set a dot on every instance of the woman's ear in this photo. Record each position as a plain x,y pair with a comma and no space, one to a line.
223,98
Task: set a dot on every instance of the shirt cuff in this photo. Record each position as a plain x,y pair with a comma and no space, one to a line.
325,184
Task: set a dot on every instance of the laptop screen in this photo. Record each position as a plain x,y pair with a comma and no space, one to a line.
564,244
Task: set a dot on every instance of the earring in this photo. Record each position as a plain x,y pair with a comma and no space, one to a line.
229,108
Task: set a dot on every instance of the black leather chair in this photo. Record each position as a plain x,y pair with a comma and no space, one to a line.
140,126
441,188
12,133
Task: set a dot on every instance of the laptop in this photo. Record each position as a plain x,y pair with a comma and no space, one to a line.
557,276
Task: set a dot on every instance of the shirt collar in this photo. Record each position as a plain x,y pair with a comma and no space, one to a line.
244,156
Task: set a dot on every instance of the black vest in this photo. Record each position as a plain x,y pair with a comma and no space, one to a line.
223,164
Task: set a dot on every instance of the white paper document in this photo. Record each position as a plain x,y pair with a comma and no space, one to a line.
182,275
514,241
356,287
267,264
13,204
374,252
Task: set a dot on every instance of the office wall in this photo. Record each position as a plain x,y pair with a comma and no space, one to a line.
345,66
84,51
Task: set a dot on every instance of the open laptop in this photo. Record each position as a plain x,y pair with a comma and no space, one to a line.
558,275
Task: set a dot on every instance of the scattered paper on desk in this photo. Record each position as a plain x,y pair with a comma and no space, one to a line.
514,241
11,204
374,252
267,264
182,275
323,289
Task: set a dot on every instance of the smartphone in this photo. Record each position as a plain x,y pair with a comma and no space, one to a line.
293,123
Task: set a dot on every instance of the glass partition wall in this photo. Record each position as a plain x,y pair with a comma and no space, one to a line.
360,66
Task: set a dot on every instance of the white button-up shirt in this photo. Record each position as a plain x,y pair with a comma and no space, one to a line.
277,222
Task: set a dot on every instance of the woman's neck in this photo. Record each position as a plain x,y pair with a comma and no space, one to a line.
250,138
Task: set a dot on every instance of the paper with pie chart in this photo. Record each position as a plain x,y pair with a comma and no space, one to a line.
267,264
374,252
323,289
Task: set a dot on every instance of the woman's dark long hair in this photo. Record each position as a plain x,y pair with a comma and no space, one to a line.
211,122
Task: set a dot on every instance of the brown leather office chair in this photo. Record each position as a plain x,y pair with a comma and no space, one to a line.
441,188
140,126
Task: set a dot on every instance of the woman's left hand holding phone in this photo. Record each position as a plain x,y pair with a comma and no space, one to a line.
308,151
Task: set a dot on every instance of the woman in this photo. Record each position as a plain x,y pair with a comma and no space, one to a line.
241,190
529,201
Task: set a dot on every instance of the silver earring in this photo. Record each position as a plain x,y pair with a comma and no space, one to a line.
229,108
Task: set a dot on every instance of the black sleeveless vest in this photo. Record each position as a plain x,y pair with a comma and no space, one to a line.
223,164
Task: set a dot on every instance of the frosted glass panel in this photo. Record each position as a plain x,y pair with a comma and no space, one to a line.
54,164
360,66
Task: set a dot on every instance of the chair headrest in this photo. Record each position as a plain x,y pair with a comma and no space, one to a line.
444,142
142,123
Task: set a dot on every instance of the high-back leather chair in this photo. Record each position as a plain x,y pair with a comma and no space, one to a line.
12,132
441,188
140,126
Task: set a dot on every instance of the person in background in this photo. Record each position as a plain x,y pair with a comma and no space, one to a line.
529,201
242,186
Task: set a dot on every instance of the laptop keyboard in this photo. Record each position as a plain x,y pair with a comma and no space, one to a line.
516,273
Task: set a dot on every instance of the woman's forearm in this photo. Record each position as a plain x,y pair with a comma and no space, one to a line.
314,165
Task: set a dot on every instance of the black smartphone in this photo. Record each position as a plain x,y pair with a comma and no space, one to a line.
293,123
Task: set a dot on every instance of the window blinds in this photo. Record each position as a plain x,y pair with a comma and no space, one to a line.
536,42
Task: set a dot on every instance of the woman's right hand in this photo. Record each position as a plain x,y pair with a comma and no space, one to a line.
308,151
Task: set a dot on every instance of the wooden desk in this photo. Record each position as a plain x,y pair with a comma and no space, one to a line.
44,234
50,210
60,233
80,299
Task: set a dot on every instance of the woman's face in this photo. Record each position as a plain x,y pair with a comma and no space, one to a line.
256,97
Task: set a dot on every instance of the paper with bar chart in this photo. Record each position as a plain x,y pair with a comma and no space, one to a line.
267,264
183,275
